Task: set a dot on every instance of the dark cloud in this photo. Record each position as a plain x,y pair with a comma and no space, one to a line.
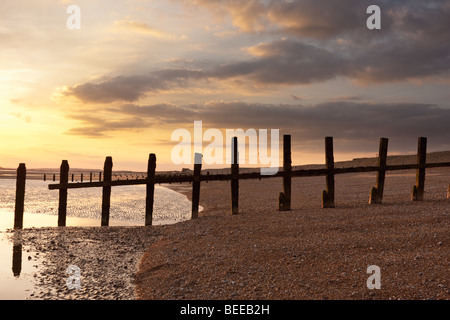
287,62
302,18
281,62
330,18
319,19
166,113
133,87
355,123
414,44
99,126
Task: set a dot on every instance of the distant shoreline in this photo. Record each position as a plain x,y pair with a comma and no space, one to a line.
432,157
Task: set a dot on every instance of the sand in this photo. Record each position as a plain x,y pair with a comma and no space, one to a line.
261,253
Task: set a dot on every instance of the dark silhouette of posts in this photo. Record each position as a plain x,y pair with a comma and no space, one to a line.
20,196
17,259
81,178
90,177
73,176
54,177
63,179
234,176
45,177
284,203
196,185
376,195
100,176
419,188
149,200
328,194
106,194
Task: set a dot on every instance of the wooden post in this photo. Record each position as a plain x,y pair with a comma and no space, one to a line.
62,207
54,177
73,176
234,176
20,196
45,177
106,194
149,200
448,192
100,176
328,194
196,185
376,195
284,203
419,188
90,177
81,178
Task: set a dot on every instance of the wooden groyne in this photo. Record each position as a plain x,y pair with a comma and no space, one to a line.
196,178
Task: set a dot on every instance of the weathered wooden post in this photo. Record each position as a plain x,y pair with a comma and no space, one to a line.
149,200
81,178
63,180
376,195
328,194
45,177
196,185
419,188
284,202
54,177
106,194
90,177
234,176
20,196
73,177
100,176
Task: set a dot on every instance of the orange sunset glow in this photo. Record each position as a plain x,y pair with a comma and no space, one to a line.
221,158
135,71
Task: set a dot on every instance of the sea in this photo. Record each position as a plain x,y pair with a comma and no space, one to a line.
84,205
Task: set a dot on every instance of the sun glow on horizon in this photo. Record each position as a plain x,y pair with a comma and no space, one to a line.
136,71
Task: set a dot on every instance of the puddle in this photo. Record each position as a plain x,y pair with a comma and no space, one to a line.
16,271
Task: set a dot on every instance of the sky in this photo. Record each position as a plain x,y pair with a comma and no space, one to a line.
137,70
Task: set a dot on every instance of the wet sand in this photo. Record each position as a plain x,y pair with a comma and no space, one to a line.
307,253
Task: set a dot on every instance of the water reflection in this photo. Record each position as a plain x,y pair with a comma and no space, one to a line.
17,254
17,260
127,203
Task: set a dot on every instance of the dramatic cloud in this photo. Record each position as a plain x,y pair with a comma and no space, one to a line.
131,88
286,62
97,126
346,120
308,67
326,18
279,62
414,44
303,18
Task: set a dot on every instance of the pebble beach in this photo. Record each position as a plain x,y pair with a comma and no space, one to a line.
261,253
